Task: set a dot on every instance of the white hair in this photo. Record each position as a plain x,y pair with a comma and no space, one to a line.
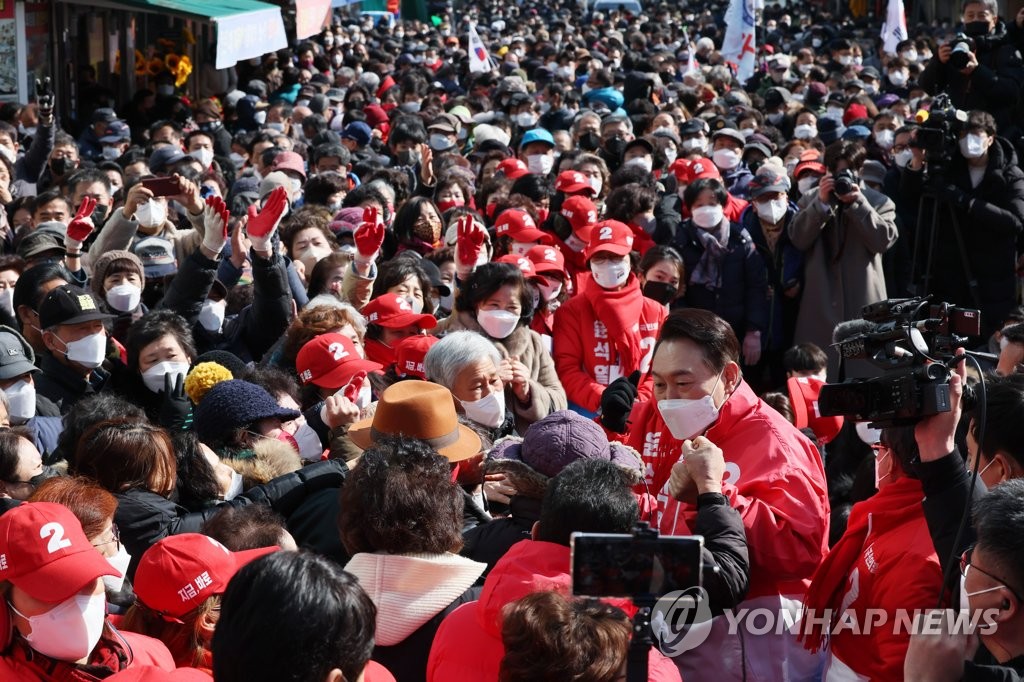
332,301
453,353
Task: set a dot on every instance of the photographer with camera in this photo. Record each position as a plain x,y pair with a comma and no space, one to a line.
980,68
843,231
981,190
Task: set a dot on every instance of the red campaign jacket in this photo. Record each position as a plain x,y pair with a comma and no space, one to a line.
897,569
583,353
118,652
468,645
732,210
773,476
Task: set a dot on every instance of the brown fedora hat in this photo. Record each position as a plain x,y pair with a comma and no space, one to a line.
418,409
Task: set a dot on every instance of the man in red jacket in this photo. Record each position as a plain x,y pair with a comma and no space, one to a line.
773,476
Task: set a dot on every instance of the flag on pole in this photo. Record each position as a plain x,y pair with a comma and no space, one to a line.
479,59
738,47
691,63
894,30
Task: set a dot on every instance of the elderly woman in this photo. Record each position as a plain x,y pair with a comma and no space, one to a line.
497,303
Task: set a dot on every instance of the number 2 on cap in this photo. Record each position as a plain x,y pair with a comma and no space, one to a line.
338,350
606,233
55,532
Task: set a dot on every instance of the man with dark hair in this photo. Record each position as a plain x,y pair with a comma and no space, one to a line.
772,474
805,360
1011,350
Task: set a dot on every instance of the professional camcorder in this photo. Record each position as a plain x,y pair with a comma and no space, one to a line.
939,134
912,342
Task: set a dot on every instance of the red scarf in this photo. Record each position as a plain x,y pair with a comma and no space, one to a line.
377,351
620,312
894,504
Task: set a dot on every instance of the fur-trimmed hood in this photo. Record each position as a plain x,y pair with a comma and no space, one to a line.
270,459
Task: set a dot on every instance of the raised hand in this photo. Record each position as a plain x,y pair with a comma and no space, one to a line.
44,97
617,402
81,226
262,223
215,220
354,385
369,236
469,242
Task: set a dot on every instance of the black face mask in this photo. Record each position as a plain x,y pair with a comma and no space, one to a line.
61,166
409,157
99,215
615,147
589,142
662,292
976,28
48,472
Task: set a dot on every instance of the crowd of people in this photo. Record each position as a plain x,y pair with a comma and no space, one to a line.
365,332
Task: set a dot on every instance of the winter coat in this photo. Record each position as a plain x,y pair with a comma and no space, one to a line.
413,594
742,299
991,228
468,644
842,261
115,651
546,392
120,232
144,517
63,385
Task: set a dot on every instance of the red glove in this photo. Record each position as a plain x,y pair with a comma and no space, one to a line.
216,217
354,385
369,236
262,223
81,225
469,242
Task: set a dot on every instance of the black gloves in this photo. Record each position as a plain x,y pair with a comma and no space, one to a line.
617,402
176,409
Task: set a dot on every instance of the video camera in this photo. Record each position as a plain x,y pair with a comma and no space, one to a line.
962,46
913,342
939,134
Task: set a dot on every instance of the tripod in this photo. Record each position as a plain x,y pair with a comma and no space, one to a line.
930,195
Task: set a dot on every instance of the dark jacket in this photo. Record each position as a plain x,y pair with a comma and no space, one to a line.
488,542
726,574
64,386
737,181
144,517
742,300
991,220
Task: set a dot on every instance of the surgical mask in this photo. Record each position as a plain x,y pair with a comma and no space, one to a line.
845,60
311,255
597,184
540,164
726,159
910,55
610,274
7,299
446,302
662,292
972,146
549,291
440,143
965,596
69,631
364,397
806,184
124,298
211,315
111,153
815,43
881,477
805,131
237,160
8,154
414,303
120,561
835,113
898,78
519,248
772,211
488,411
707,217
276,126
691,144
151,214
310,447
885,138
88,351
776,117
203,156
670,155
644,162
409,107
687,418
154,376
526,119
409,157
498,324
21,398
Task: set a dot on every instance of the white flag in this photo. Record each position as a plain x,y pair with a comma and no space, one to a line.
738,47
691,49
894,30
479,59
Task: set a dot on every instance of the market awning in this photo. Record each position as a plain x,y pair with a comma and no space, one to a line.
310,16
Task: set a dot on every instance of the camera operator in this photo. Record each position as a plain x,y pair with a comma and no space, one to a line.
984,189
1011,350
980,68
843,231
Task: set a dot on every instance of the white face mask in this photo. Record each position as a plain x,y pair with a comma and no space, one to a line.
204,156
549,291
972,146
488,411
885,138
237,160
540,164
835,113
670,155
154,376
235,488
845,60
120,561
772,211
310,447
415,303
124,298
902,158
365,397
910,55
151,214
69,631
21,397
806,184
776,117
7,299
526,119
898,78
726,159
644,162
965,596
805,131
311,255
88,351
497,323
446,302
440,143
520,248
689,417
611,274
596,184
707,217
111,153
211,315
698,143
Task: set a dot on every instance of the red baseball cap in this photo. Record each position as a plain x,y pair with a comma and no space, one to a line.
290,161
803,396
44,552
512,168
581,213
522,262
571,181
409,354
151,673
330,361
611,236
702,168
810,160
394,312
518,225
547,259
177,574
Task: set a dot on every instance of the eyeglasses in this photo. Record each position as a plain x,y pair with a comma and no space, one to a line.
115,536
966,562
